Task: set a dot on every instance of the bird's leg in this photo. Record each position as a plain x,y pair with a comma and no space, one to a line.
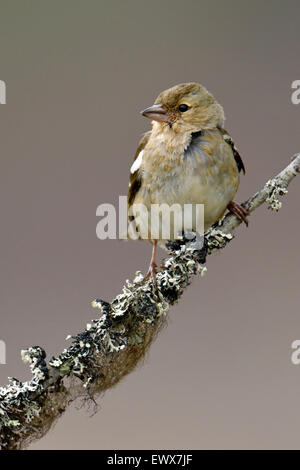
152,268
238,211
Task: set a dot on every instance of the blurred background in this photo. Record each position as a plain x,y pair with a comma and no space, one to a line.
77,74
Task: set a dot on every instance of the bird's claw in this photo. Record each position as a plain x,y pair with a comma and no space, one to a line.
151,273
238,211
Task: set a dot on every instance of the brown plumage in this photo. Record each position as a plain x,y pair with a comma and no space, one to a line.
187,158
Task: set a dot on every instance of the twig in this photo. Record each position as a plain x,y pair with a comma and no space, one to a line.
111,346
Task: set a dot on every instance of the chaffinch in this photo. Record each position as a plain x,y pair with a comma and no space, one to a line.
187,158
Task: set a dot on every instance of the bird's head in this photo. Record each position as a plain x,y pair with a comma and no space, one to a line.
187,107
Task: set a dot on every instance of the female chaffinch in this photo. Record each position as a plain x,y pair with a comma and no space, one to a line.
187,158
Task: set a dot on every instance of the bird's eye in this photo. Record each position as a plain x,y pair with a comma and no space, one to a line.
183,108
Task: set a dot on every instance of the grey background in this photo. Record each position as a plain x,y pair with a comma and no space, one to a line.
77,74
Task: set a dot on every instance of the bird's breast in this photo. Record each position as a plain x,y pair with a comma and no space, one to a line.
204,174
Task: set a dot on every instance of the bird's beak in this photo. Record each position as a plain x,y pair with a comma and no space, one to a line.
157,112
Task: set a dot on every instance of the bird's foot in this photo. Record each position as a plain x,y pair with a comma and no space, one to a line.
151,273
238,211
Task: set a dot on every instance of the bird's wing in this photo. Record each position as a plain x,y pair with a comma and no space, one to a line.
135,180
235,151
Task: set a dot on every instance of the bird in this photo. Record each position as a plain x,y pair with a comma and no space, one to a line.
186,158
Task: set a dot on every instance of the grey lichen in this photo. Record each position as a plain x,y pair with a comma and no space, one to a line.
275,190
21,403
112,345
217,239
35,357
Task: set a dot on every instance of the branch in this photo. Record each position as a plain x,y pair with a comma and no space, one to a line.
111,346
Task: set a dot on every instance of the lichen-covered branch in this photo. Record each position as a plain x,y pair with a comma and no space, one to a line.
112,345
